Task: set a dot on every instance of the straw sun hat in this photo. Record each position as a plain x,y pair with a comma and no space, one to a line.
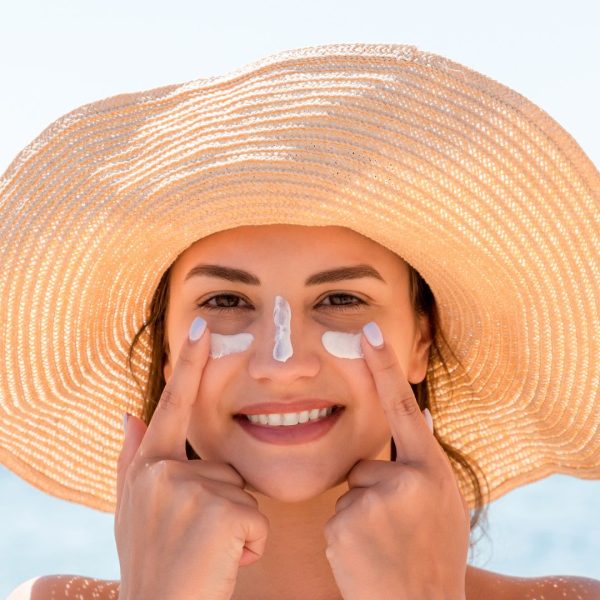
477,188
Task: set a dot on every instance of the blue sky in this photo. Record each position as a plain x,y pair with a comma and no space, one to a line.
55,56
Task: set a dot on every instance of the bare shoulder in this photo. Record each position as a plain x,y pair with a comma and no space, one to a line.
66,586
482,584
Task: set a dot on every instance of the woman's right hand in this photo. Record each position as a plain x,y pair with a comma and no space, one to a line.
182,528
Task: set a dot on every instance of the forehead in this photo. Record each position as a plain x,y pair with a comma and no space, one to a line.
288,257
266,242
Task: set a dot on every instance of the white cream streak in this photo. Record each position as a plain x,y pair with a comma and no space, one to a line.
342,345
222,345
282,315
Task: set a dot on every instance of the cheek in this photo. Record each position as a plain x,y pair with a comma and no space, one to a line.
360,390
369,410
216,380
211,420
368,427
362,396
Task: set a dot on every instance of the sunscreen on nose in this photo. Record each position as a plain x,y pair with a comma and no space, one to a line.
342,345
222,345
282,315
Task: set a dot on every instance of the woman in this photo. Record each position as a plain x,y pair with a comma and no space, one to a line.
298,259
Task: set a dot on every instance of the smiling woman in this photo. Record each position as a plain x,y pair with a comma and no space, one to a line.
334,294
365,296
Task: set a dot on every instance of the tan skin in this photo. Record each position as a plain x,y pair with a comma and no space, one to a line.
325,519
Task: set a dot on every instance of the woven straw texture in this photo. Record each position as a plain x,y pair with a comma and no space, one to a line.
480,190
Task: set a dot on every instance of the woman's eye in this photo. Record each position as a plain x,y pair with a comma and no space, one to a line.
229,302
224,302
343,301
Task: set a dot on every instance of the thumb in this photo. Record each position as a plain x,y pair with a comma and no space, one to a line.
135,429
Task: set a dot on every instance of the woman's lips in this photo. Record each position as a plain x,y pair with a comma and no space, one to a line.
290,434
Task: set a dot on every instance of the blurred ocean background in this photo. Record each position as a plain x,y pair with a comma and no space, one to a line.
55,56
550,527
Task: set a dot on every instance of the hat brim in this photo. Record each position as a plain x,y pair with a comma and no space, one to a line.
481,191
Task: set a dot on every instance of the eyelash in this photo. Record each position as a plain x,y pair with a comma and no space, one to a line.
343,307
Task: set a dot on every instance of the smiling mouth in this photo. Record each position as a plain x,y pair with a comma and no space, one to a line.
291,418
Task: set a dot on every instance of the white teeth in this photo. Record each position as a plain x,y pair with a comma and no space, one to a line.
290,418
275,419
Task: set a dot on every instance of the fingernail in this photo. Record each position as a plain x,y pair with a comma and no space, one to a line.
197,329
428,419
373,334
125,418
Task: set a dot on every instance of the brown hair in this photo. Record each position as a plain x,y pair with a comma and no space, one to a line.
424,305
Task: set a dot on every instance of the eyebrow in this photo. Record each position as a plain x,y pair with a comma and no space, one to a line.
329,276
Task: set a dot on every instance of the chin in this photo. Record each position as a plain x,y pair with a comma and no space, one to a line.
292,489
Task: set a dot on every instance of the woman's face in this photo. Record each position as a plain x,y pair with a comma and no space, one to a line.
279,259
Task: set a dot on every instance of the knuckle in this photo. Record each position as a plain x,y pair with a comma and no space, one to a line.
185,358
332,553
399,485
161,470
160,478
169,398
218,510
194,498
447,479
404,405
388,364
372,502
156,475
129,471
442,487
336,532
413,483
204,490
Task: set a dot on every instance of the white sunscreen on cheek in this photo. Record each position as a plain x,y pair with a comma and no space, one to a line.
222,345
342,345
282,315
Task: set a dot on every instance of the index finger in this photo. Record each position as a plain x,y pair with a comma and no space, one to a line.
167,431
412,436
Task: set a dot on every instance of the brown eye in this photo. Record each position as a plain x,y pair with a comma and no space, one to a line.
223,302
343,302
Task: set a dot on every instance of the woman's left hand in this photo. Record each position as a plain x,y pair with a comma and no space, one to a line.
402,529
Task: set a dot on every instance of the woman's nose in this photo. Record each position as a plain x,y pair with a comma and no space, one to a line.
279,351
